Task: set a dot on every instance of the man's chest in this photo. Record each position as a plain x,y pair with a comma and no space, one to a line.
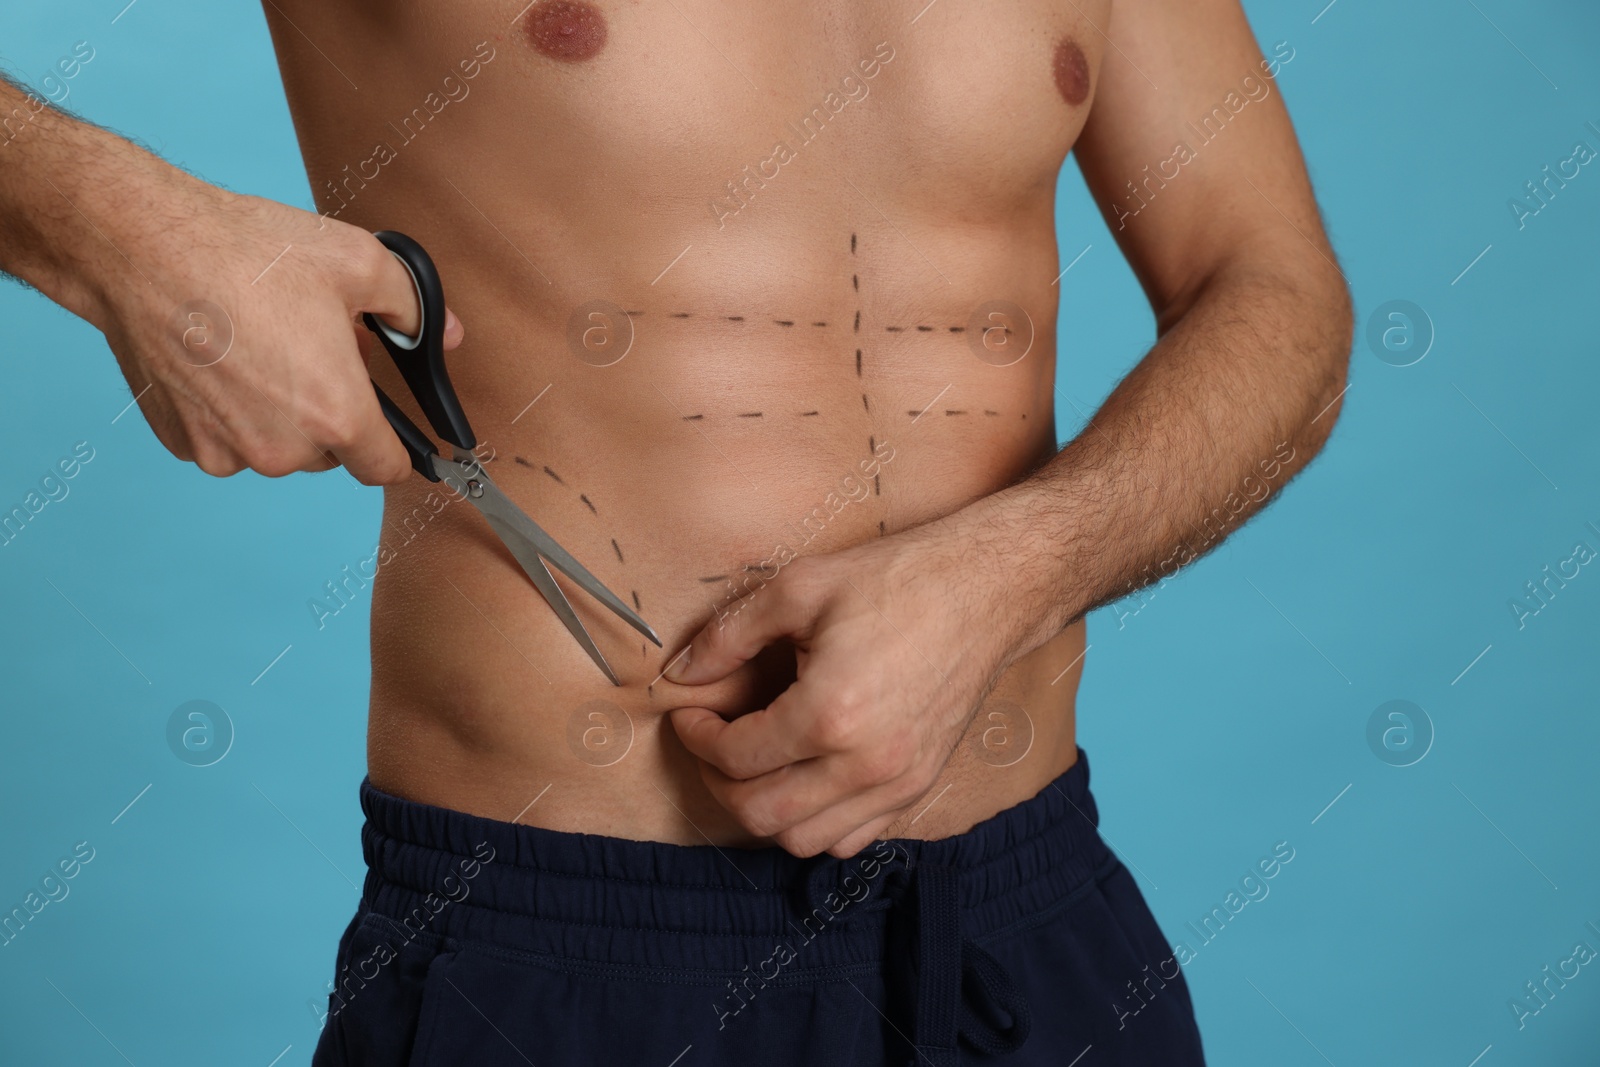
985,94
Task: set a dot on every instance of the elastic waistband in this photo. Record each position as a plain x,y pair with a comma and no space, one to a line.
609,902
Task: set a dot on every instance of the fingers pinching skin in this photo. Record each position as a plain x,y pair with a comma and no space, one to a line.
782,608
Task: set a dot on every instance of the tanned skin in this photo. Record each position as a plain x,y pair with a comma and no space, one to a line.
923,554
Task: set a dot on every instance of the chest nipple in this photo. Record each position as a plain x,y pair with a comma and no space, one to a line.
568,30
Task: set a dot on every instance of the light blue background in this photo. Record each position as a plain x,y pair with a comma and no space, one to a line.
1221,719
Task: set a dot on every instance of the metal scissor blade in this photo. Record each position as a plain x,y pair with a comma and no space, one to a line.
545,582
521,546
515,526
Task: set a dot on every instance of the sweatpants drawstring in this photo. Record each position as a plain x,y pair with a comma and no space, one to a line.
957,990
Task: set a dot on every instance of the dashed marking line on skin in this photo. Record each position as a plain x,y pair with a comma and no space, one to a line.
895,329
866,403
715,578
986,411
914,414
635,314
587,503
680,314
749,414
807,414
947,411
925,329
691,418
784,322
958,329
735,318
636,605
819,324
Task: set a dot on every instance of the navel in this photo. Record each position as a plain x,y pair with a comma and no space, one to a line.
1072,72
568,30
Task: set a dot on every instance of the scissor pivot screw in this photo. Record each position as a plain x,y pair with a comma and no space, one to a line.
475,488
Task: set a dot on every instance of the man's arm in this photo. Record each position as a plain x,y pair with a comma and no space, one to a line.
233,366
1244,384
48,162
902,637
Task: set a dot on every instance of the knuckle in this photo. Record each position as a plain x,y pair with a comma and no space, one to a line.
365,258
736,766
273,461
331,423
388,473
909,788
799,580
836,727
882,764
216,462
337,436
798,844
755,820
175,441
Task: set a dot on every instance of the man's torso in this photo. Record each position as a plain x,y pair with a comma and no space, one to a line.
738,281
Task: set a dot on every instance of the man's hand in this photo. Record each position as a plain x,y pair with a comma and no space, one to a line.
235,319
243,344
898,641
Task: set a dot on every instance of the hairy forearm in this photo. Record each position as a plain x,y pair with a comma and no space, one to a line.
1237,396
78,204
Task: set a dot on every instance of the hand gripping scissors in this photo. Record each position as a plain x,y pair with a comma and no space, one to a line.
421,363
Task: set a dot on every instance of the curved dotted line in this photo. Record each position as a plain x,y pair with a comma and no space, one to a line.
593,511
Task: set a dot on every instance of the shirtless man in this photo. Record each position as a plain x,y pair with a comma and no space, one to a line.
760,323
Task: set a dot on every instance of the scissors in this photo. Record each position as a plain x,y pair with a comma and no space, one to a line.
421,363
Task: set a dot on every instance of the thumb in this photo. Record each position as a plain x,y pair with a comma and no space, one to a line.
386,289
734,637
453,330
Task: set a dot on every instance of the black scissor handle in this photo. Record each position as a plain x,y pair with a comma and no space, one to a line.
421,450
421,359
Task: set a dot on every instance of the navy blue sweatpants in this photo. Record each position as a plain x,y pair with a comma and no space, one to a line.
1023,941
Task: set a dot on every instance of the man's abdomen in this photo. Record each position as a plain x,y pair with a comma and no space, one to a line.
684,441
